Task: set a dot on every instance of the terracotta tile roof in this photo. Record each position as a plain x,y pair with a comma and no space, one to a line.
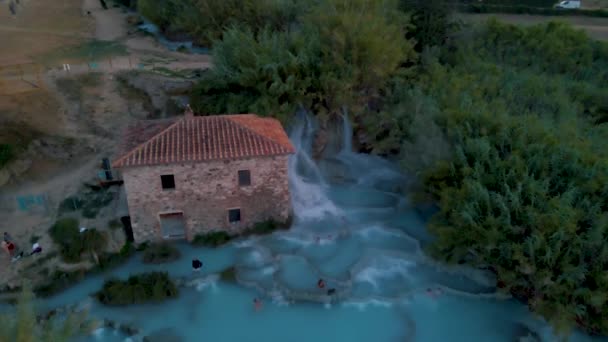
204,138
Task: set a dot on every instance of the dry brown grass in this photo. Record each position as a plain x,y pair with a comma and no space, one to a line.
39,27
37,109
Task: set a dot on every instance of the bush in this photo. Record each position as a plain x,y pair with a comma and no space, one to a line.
212,239
71,203
265,227
110,260
228,275
340,58
7,154
72,244
90,202
58,282
138,289
159,253
206,21
219,238
483,8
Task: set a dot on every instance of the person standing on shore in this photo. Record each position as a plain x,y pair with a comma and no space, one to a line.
5,248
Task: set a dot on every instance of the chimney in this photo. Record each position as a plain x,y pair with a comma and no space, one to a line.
188,114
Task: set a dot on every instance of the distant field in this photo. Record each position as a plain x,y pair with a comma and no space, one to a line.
590,4
39,27
595,27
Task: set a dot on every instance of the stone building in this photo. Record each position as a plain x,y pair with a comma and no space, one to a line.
200,174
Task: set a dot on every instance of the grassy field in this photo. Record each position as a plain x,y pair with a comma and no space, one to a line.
589,4
595,27
41,26
86,51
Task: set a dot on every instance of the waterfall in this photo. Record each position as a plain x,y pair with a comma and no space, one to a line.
347,134
308,186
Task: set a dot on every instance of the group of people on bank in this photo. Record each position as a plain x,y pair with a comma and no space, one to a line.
14,252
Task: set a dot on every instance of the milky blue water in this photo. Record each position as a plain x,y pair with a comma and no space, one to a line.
353,229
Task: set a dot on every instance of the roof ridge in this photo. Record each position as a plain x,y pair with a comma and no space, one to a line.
153,138
227,117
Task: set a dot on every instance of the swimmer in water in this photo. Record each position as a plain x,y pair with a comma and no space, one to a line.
257,304
196,265
321,283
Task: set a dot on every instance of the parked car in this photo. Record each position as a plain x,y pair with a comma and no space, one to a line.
569,4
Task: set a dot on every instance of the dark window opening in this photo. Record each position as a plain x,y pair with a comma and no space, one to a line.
168,181
234,215
244,178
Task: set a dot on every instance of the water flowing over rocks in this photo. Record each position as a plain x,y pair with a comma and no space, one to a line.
353,228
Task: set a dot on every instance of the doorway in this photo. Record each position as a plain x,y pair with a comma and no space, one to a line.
173,225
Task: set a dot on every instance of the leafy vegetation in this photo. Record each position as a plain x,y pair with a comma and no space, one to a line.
89,202
522,9
73,244
505,126
60,280
206,20
160,253
7,154
228,275
340,58
212,239
23,324
218,238
138,289
525,190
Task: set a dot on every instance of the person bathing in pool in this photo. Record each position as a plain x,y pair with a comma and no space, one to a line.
196,265
257,304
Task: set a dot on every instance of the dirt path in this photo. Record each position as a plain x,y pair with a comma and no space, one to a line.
110,24
596,27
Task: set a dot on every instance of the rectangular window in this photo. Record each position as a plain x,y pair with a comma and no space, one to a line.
244,178
234,215
168,181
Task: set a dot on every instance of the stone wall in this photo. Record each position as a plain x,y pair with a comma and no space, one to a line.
204,192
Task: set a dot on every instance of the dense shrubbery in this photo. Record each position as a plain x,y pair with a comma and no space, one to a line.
219,238
159,253
526,189
212,239
138,289
7,153
72,243
340,57
522,9
89,202
205,20
59,280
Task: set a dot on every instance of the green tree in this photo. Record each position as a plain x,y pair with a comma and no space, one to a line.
432,21
342,56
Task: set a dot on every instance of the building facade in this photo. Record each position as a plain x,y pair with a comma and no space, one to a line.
202,174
